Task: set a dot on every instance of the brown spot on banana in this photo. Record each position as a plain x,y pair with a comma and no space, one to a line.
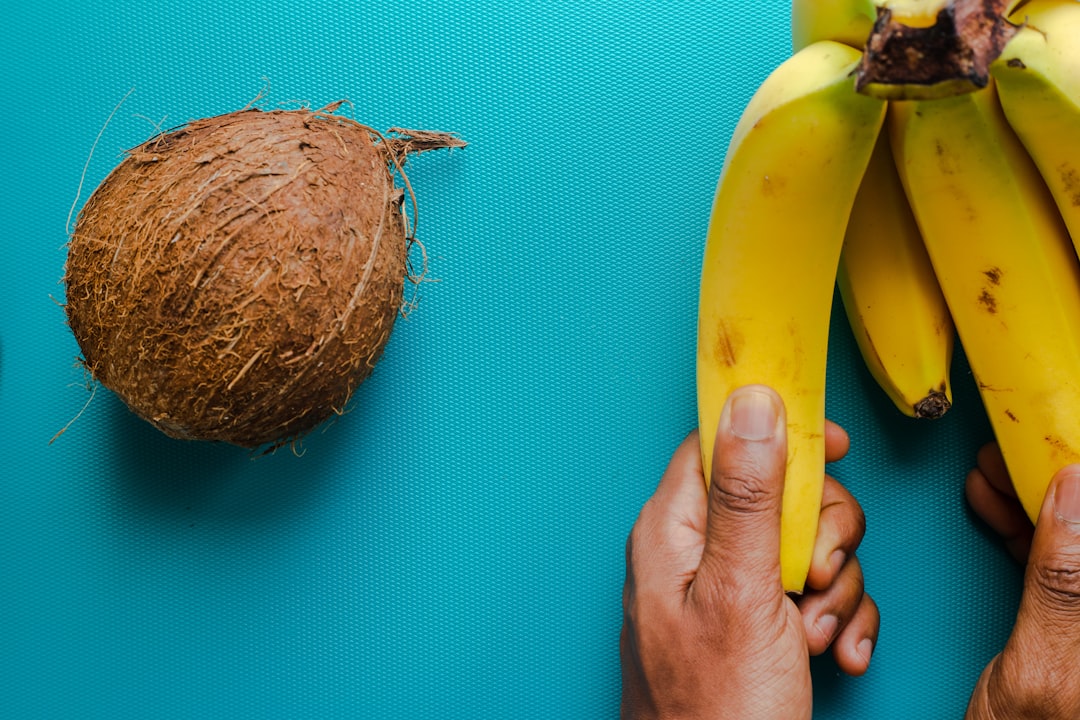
946,160
871,348
942,155
988,302
1009,414
1070,180
1058,443
796,361
727,343
993,275
772,186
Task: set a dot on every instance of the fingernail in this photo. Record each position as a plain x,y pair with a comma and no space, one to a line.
1067,497
865,648
826,625
753,414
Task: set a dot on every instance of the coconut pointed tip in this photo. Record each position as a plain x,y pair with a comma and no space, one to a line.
404,141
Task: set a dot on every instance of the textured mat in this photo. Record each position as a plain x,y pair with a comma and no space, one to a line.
453,547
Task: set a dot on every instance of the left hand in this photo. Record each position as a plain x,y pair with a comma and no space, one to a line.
1037,672
708,631
990,493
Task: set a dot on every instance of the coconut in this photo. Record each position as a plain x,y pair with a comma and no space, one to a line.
237,278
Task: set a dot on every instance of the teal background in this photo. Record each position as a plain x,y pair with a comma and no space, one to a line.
453,547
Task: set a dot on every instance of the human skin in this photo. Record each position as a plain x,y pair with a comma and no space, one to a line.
1037,674
708,630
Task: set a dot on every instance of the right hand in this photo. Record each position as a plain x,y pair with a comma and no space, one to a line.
708,630
1037,674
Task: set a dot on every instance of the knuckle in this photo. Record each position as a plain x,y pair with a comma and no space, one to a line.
848,523
858,522
741,497
1058,575
742,490
856,528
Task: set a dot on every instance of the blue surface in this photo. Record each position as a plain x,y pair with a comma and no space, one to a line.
453,547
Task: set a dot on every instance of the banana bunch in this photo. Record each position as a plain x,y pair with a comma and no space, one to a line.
950,216
987,174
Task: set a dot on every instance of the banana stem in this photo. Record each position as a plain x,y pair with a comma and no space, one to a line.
909,58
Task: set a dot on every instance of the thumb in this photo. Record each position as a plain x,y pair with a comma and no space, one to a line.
742,533
1049,614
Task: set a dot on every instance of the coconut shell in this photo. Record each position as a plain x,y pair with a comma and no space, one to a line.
237,278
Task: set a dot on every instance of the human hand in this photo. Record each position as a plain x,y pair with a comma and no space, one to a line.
1037,674
708,631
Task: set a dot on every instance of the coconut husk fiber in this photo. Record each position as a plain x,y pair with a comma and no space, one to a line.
237,278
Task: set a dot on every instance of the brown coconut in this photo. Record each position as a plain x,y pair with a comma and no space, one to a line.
237,278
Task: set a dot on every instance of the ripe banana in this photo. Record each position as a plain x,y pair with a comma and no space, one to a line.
1008,271
782,202
916,13
1038,79
883,265
845,21
891,295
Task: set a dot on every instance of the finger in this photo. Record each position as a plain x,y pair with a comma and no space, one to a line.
742,536
680,494
837,442
826,612
664,546
991,463
841,527
1002,513
855,645
1048,621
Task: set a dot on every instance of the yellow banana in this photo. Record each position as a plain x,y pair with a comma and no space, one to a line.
1008,271
782,202
915,13
893,303
845,21
891,295
1038,79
